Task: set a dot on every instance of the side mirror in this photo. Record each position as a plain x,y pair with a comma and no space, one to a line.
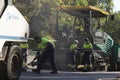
112,17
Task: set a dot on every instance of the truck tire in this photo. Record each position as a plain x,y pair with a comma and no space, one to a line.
14,63
11,70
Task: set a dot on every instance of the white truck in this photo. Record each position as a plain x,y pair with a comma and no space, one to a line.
14,30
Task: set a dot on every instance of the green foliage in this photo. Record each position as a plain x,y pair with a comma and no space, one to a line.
113,27
46,10
41,14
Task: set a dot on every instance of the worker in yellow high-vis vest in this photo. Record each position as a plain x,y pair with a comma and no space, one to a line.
24,48
87,47
73,50
47,52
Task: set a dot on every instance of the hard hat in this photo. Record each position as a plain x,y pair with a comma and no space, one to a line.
76,41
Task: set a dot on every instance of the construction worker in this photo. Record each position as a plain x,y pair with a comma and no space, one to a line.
24,48
74,45
87,48
46,49
73,48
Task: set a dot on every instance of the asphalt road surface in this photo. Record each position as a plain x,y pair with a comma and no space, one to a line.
62,75
45,75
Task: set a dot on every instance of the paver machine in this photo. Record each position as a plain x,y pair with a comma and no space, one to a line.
94,22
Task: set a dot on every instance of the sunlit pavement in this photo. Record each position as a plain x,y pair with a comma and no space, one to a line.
45,75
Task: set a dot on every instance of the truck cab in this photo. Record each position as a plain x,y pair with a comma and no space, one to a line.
14,29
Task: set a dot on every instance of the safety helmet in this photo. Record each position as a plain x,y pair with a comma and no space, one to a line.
76,41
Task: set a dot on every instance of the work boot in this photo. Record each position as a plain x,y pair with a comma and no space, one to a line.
36,70
53,72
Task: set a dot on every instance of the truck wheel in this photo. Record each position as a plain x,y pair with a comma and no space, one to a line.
14,63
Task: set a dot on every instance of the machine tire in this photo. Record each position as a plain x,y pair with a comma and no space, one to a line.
14,63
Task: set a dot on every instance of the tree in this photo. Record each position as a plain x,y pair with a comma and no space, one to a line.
113,27
46,10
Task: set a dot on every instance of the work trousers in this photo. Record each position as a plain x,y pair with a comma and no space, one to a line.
72,58
48,53
86,58
24,54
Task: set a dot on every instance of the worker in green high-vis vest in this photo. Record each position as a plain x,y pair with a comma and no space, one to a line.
24,50
87,47
47,52
73,49
24,47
